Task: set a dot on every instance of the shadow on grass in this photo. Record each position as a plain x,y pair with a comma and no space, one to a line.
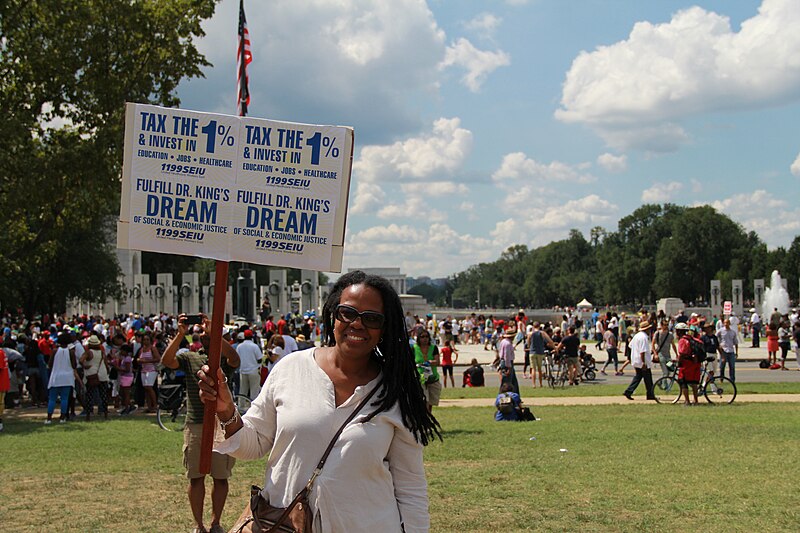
459,432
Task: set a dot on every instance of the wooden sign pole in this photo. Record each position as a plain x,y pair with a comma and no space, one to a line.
217,321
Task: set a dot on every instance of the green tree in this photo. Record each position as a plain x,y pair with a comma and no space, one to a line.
699,247
627,258
67,67
562,272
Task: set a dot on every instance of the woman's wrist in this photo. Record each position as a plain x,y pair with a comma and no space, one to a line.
226,415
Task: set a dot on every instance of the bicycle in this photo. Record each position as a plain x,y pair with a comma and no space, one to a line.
715,389
556,371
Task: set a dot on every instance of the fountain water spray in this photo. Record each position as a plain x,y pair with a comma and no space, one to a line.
775,296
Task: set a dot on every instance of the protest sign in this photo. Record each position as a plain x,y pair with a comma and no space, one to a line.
234,188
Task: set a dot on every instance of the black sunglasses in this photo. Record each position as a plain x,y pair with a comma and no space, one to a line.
370,319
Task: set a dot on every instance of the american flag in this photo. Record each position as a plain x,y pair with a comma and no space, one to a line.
243,58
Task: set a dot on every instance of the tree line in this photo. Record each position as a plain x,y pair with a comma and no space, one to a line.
657,251
66,70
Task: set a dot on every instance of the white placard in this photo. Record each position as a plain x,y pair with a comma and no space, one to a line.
234,188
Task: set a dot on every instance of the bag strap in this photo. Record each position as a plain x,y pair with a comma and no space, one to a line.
336,436
663,341
303,494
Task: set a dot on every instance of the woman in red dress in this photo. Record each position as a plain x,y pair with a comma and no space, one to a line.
772,343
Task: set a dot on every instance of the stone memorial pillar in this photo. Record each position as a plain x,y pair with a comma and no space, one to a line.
277,290
309,291
164,294
716,297
189,293
246,294
138,296
758,295
737,294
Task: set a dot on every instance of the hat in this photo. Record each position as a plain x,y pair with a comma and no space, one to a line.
300,338
752,310
240,336
681,326
94,341
644,325
248,334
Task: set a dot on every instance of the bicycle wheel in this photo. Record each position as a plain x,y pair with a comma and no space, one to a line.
172,419
562,378
720,390
242,403
667,390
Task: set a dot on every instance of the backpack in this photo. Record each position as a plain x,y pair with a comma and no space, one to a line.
506,405
698,349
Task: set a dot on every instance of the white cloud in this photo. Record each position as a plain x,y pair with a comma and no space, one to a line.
661,193
443,150
633,91
320,61
368,196
484,24
518,166
414,208
434,188
613,163
774,219
478,63
548,221
587,211
436,250
795,168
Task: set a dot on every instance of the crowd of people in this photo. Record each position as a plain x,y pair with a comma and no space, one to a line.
91,365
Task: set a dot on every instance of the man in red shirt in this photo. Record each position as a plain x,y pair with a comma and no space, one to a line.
282,326
45,345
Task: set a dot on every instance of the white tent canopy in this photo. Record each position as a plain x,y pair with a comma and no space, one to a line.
584,303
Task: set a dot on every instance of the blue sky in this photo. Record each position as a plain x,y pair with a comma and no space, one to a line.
483,124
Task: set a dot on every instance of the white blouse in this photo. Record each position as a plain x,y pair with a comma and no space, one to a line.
374,478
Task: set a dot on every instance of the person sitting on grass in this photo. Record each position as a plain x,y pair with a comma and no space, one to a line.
473,376
508,404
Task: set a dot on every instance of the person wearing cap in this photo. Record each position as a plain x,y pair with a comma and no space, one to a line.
505,359
302,342
689,368
642,361
663,342
95,371
249,365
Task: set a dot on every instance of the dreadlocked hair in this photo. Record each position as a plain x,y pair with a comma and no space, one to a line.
400,380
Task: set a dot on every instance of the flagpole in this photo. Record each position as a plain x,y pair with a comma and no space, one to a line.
244,57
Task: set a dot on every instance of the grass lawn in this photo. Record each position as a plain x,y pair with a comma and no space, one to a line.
637,468
602,389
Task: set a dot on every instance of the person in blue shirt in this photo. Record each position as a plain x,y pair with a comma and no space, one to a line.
508,404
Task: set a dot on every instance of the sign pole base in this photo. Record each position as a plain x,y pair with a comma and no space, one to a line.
217,321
